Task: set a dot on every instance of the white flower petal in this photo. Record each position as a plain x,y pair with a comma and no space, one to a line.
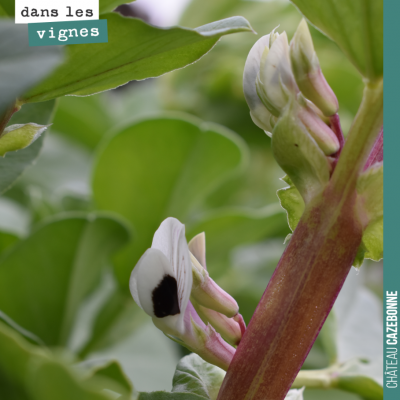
197,246
146,277
170,239
275,71
258,111
171,325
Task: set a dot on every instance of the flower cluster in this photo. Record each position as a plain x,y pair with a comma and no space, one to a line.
171,284
280,79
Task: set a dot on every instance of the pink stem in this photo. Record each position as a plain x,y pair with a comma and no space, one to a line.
296,302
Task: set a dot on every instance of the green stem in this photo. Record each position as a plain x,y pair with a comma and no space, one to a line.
363,133
316,379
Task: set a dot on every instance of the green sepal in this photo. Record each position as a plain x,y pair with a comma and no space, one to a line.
19,136
299,156
359,256
291,200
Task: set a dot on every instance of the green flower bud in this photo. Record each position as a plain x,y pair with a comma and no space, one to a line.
17,137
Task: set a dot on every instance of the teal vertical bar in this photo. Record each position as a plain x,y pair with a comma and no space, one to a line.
391,281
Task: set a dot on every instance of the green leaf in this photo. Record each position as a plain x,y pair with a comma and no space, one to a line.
370,198
7,240
196,376
19,136
195,379
356,26
15,163
22,66
84,119
8,7
370,192
3,12
291,200
134,51
23,332
300,157
117,319
147,356
28,372
111,376
65,258
355,377
230,227
15,356
159,168
51,380
113,370
372,240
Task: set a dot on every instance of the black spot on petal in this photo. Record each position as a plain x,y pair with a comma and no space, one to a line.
165,297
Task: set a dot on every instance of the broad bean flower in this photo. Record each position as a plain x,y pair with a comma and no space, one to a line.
280,79
170,282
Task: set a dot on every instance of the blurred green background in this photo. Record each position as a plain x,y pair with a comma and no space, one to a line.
180,145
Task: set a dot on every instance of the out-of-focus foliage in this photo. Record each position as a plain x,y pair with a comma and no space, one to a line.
22,66
61,273
66,257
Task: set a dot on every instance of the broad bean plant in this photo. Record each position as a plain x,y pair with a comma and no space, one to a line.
146,254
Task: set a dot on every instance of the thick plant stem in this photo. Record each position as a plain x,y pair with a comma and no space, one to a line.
309,276
296,302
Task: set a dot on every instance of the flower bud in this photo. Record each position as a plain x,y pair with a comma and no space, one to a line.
19,136
308,74
275,82
207,293
319,131
258,112
205,341
197,246
231,329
